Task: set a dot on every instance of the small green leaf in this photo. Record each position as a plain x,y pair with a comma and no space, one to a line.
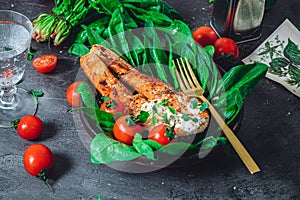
195,119
154,108
130,120
142,147
194,103
172,110
15,123
209,142
78,49
31,52
210,50
165,117
143,116
185,117
170,132
153,144
153,121
163,103
203,106
105,98
104,119
87,95
36,94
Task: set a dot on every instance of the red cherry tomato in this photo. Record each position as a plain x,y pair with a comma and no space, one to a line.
162,134
205,35
30,127
72,97
226,47
112,106
125,129
37,160
45,63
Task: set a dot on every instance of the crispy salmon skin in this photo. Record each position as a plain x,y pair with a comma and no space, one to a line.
112,76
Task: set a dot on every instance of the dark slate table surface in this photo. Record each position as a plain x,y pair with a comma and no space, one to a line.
270,131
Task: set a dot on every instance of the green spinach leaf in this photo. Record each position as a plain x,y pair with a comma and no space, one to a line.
87,95
106,150
142,147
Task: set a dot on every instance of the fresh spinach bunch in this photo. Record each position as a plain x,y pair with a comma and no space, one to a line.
149,35
58,25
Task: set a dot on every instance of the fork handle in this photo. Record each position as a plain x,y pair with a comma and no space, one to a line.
236,144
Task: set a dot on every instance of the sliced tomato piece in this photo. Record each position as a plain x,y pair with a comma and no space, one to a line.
45,63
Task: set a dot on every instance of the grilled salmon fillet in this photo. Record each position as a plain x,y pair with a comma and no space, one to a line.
101,65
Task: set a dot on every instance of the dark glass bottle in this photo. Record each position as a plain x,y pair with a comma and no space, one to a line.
238,19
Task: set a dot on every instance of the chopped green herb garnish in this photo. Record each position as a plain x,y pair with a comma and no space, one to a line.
154,108
172,110
165,117
185,117
195,119
170,132
143,116
153,121
203,106
194,103
111,104
105,98
130,120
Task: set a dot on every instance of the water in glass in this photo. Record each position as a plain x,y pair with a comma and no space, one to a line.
13,53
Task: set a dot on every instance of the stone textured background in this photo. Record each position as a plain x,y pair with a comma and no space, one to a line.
270,131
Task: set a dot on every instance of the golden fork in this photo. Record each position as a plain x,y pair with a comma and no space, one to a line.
190,86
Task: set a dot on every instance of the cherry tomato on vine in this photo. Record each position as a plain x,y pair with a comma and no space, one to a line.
30,127
72,97
37,160
226,47
163,134
113,106
125,129
205,35
45,63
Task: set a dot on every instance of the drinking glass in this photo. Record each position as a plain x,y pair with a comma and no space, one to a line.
15,37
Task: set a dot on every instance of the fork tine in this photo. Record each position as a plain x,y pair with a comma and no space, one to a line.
187,74
183,75
192,74
181,84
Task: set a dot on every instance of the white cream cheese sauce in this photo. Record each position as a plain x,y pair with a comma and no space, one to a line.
188,123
